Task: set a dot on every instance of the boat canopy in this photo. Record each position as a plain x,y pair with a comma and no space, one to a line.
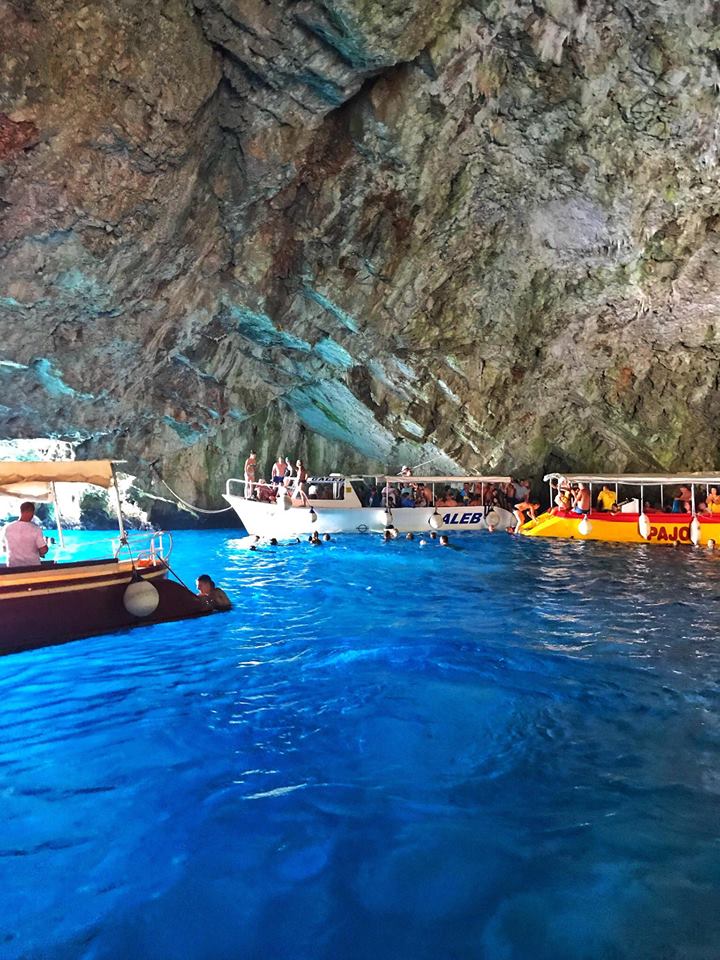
637,479
33,479
477,479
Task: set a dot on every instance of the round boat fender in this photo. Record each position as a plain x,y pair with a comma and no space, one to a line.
695,531
435,520
584,527
492,519
644,526
141,598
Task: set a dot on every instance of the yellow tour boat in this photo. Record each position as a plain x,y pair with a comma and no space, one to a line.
638,508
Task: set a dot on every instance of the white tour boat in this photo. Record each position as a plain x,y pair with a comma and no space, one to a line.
335,504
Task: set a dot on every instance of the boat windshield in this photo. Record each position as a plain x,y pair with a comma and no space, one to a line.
326,488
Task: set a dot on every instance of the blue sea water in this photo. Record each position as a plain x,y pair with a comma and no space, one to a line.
508,751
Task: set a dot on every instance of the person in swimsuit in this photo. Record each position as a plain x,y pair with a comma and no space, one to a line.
582,501
278,471
215,598
250,474
300,489
523,508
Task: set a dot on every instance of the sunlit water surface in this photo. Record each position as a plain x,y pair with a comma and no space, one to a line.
507,751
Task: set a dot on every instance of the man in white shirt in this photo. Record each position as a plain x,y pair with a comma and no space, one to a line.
24,540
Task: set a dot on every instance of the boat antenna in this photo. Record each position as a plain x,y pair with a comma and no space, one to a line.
118,505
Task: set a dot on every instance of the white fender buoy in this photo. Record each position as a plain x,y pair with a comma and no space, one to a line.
285,501
313,515
435,520
644,526
141,598
584,527
492,519
695,531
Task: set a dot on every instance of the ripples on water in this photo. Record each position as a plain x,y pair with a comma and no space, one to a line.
508,751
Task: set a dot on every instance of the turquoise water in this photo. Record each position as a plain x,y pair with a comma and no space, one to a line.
509,751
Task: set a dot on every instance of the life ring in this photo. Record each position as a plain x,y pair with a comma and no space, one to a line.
362,528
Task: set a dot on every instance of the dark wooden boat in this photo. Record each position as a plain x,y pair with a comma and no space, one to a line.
56,602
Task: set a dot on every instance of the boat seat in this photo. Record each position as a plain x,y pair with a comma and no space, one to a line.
54,565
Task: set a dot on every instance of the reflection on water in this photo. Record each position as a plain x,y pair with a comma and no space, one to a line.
509,751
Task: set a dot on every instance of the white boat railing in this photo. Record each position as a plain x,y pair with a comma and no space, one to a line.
232,493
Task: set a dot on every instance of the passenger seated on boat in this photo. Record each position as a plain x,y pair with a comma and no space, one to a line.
560,499
406,498
713,500
265,492
582,501
405,472
424,495
23,539
375,498
389,495
215,598
683,501
447,499
606,498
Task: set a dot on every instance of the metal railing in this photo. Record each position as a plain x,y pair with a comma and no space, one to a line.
230,492
147,548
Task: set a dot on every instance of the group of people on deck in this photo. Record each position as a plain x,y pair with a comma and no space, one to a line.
470,494
284,477
577,498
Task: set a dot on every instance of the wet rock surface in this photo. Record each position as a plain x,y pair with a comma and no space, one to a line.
483,234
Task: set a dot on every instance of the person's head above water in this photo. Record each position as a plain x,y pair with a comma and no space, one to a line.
444,542
205,584
326,536
273,541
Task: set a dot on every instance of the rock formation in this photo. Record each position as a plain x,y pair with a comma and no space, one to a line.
480,233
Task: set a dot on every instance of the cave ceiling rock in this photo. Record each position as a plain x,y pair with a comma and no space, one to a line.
491,223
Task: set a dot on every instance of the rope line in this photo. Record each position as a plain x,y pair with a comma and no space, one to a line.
190,506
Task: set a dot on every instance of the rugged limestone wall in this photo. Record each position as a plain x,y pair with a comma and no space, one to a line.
369,231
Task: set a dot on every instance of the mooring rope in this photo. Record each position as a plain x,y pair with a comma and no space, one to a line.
190,506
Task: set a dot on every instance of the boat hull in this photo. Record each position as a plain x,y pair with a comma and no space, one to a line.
271,520
666,529
61,602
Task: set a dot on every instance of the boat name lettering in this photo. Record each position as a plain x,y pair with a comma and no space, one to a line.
463,518
660,533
